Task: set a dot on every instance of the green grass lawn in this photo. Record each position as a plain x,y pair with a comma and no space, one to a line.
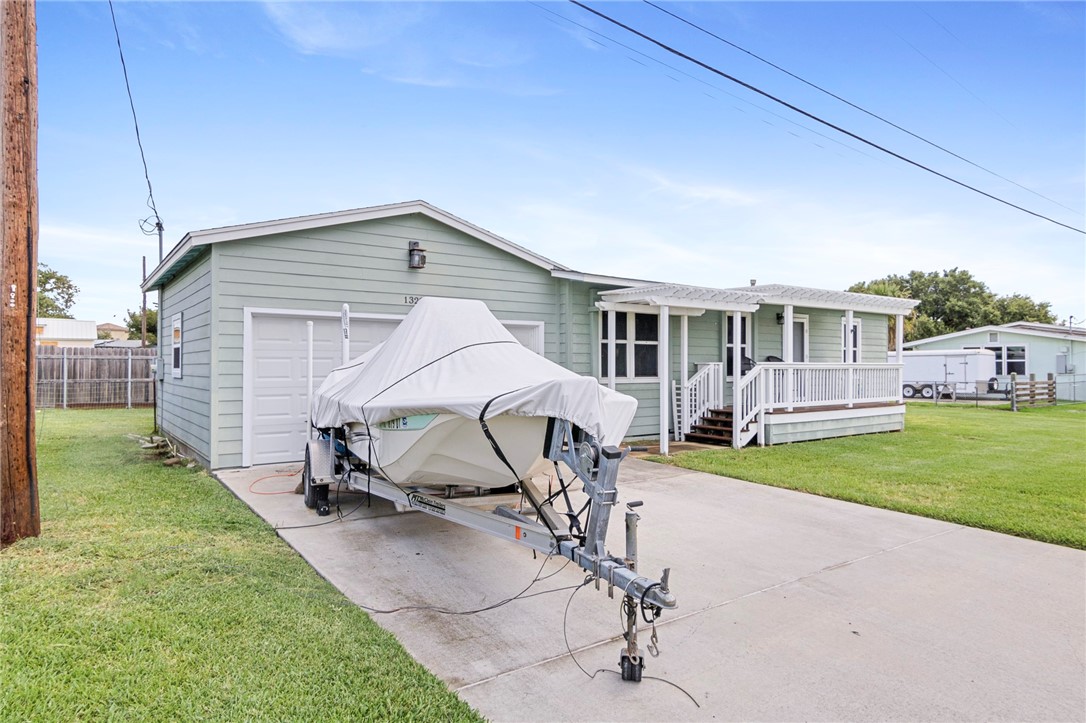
1021,473
154,594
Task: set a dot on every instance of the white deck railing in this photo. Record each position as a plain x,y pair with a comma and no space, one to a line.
824,385
783,387
777,386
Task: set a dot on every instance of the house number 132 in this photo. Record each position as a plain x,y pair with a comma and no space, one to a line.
411,300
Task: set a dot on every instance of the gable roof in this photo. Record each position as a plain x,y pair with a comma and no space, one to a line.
1027,328
192,245
783,294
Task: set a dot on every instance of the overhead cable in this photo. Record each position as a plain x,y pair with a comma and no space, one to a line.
696,79
157,225
853,105
813,117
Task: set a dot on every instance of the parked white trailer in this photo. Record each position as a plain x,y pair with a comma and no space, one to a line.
953,370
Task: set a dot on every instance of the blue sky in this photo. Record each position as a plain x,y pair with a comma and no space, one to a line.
576,139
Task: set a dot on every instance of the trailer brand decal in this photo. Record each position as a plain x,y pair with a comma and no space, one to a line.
426,503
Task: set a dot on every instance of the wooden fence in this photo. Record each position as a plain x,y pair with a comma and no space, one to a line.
1032,392
94,377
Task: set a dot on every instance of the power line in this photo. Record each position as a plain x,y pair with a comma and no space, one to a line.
813,117
156,227
699,80
857,107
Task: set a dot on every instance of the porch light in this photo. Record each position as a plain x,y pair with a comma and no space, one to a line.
416,257
780,319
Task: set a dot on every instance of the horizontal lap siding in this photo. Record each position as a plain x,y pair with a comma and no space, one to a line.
783,433
184,404
364,265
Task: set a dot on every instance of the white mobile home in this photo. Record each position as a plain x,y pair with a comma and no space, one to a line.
1025,348
235,301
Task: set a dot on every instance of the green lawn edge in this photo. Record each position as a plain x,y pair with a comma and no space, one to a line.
154,594
1021,473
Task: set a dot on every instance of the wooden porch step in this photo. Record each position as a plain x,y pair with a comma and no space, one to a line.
709,438
712,426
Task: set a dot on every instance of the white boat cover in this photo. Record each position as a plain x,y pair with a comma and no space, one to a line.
453,356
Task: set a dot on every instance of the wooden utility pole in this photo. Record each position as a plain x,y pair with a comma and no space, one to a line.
19,513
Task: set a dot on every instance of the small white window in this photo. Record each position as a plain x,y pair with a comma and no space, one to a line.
175,350
993,336
640,356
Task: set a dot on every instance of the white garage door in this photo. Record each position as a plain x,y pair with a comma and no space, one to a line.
276,413
280,379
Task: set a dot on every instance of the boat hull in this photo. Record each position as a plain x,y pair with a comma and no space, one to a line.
448,449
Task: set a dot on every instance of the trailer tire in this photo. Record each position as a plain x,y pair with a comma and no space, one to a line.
927,391
631,668
993,385
309,493
908,391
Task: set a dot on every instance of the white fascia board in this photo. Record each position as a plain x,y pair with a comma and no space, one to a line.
175,254
839,306
647,309
336,218
600,278
1000,329
705,304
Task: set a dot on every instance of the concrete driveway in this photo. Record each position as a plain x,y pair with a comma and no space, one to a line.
792,607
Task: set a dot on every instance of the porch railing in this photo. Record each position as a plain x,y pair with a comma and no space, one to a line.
703,391
824,385
779,386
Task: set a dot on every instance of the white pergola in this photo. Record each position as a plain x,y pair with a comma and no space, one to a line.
683,301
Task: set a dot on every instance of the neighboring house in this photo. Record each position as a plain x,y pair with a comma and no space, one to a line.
115,332
65,332
235,301
1025,348
119,344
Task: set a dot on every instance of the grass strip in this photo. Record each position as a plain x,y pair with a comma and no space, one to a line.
1021,473
154,594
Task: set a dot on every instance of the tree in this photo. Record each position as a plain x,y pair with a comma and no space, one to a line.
954,301
56,294
134,322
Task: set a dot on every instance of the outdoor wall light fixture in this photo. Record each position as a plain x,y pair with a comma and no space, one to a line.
416,257
780,318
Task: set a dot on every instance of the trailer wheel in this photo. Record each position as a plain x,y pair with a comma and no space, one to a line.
632,667
309,493
927,391
908,391
993,385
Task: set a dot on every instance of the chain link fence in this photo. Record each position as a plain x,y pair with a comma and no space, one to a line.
94,377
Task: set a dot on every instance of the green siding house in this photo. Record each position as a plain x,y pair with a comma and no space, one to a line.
237,305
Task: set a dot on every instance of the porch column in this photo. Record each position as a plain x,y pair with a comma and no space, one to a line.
899,345
662,356
849,352
848,336
737,373
611,348
899,338
789,353
684,374
788,340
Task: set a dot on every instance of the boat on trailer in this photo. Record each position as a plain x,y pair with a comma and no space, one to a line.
451,400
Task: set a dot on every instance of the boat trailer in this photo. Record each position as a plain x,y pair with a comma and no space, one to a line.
578,535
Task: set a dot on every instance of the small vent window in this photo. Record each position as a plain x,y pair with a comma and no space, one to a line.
993,336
